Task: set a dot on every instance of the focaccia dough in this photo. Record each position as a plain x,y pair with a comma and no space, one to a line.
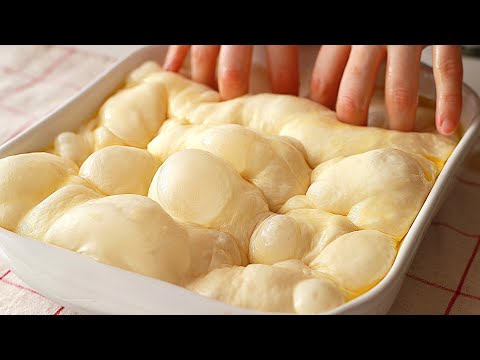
270,288
198,187
265,201
357,260
182,94
120,170
316,127
39,220
210,249
378,190
73,147
299,234
134,115
26,180
129,231
271,163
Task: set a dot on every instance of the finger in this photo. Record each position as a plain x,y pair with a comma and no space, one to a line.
282,63
401,86
327,73
358,83
176,54
448,73
234,70
204,62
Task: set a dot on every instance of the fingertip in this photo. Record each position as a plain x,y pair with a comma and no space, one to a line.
405,125
349,111
358,83
234,70
322,93
448,73
233,83
175,57
203,63
169,65
327,74
446,125
282,65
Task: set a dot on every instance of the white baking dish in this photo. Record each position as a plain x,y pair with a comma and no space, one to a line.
84,285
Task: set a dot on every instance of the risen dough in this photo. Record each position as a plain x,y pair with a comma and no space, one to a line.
72,146
120,170
357,260
379,190
183,95
27,179
270,288
234,210
129,231
316,127
271,163
71,218
300,234
314,296
210,249
198,187
39,220
135,114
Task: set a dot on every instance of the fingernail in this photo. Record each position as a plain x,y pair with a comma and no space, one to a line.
447,127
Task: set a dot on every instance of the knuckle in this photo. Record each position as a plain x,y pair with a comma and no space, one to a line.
284,75
200,54
450,68
402,98
323,93
319,87
232,76
451,99
357,71
370,49
348,106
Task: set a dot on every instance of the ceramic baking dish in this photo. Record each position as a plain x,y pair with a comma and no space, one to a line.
84,285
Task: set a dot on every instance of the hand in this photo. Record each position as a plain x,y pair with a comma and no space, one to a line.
234,66
344,78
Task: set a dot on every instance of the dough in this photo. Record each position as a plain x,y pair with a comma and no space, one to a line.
182,96
316,127
269,288
198,187
26,180
299,234
315,296
210,249
271,163
265,201
73,147
134,115
39,220
357,260
129,231
146,234
380,190
120,170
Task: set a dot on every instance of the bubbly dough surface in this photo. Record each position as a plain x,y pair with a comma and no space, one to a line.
266,201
